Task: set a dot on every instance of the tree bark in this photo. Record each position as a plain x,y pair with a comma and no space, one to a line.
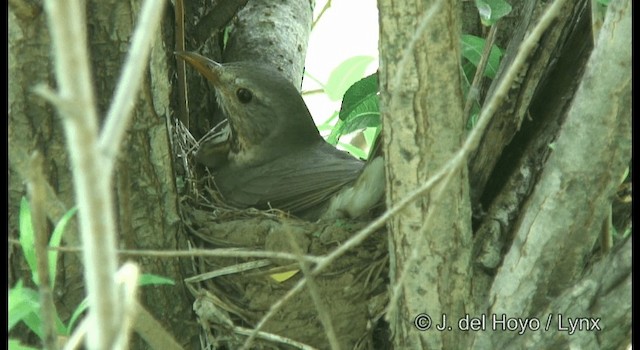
274,33
421,108
555,234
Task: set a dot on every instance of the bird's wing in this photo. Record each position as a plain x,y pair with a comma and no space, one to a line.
292,183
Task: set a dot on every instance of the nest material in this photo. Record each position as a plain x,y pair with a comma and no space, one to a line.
233,294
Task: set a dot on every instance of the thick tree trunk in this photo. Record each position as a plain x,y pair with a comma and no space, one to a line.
423,126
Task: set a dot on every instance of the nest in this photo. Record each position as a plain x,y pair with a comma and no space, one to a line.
234,292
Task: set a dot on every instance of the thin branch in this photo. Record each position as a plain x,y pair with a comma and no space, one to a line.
127,280
93,193
326,6
152,331
274,338
220,253
472,96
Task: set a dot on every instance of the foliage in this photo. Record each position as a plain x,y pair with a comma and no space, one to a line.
472,47
360,95
360,110
24,302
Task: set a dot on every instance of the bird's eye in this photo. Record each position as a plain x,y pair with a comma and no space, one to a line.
244,95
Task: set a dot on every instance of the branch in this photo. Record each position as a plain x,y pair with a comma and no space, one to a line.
93,193
92,182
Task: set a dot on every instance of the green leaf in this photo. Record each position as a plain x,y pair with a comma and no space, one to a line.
24,305
327,124
27,239
361,91
359,119
360,108
469,70
54,242
371,135
473,118
343,76
336,132
368,115
472,47
22,302
149,279
76,313
316,80
492,10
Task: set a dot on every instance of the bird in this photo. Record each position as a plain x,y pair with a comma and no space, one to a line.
270,154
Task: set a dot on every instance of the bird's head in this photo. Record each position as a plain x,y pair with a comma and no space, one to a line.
264,109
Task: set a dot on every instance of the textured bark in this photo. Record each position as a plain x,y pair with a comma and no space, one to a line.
518,169
509,119
562,220
274,33
423,127
601,297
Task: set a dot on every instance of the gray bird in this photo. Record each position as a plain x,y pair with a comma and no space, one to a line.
272,155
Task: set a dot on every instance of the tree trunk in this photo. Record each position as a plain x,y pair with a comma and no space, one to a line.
546,172
422,115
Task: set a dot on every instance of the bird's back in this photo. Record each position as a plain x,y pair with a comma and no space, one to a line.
298,182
